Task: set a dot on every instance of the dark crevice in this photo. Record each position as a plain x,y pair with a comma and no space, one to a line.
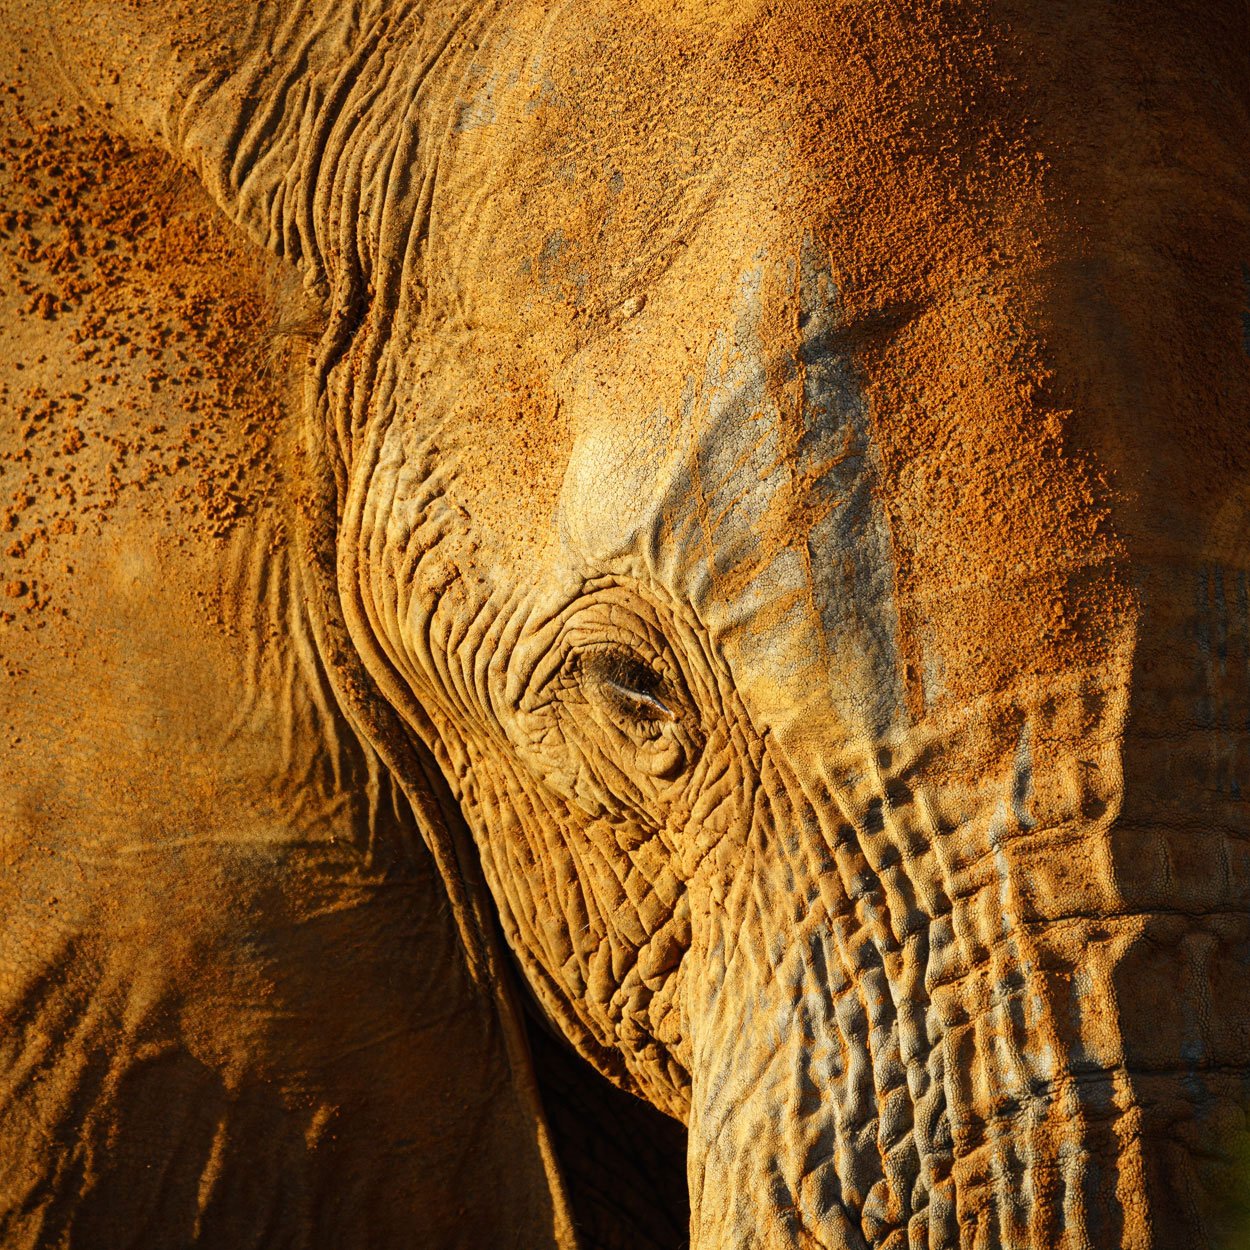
624,1162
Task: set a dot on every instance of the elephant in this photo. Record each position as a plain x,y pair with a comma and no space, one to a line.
626,624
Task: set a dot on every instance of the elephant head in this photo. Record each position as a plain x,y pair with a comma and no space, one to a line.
788,484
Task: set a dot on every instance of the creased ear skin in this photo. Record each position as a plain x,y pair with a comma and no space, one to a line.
243,94
268,104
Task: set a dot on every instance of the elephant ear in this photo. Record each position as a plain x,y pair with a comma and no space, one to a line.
254,98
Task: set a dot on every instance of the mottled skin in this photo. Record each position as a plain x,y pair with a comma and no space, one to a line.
768,509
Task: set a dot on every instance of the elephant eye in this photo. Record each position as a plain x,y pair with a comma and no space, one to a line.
623,717
627,684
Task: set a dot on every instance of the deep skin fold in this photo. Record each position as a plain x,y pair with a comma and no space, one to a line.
855,399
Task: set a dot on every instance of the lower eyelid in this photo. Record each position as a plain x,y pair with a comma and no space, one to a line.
637,704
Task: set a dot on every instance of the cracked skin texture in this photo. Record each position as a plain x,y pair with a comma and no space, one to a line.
741,506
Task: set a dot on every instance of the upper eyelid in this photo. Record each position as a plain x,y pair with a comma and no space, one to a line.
614,652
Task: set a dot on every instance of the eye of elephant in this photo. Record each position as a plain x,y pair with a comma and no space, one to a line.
626,717
629,687
606,714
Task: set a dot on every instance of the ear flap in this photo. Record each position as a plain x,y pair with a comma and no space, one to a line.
480,1013
229,89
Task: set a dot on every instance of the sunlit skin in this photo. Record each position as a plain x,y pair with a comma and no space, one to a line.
763,509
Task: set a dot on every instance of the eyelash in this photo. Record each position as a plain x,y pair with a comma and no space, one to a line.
632,685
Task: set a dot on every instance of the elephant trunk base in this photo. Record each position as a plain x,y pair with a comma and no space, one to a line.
992,1080
1109,1165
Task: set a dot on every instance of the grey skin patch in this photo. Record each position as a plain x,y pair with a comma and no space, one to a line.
553,245
480,110
849,551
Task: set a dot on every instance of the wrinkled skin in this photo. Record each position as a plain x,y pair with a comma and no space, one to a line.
786,482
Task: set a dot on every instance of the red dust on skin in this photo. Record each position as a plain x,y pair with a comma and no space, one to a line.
1033,220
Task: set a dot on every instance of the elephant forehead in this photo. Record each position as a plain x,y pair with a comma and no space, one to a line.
636,186
588,150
